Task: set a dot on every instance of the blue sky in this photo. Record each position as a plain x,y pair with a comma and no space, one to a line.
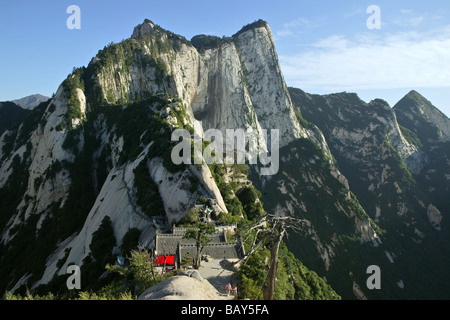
323,46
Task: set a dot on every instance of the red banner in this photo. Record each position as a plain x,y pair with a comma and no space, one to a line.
168,259
159,260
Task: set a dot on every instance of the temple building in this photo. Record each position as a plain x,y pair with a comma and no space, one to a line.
173,247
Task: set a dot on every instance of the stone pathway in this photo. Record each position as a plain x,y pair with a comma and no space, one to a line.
217,274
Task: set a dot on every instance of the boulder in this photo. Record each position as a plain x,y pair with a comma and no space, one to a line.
182,287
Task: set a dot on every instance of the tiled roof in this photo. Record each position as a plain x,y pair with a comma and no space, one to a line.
167,244
231,250
218,248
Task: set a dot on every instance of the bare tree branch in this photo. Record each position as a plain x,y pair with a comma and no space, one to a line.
278,229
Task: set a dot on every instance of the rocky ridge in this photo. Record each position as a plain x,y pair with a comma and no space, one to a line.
377,149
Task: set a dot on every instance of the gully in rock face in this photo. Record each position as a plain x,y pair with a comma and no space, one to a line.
213,153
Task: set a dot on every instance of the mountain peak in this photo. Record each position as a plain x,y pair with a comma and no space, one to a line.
413,93
31,101
251,26
416,96
419,115
147,27
415,100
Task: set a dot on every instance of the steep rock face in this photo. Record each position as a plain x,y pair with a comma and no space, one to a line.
116,200
223,101
415,112
75,177
119,201
435,216
374,118
309,187
270,97
82,101
243,87
45,156
246,89
369,147
239,82
378,155
430,130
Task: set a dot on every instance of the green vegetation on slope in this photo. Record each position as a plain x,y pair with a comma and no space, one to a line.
294,280
148,197
137,124
411,137
243,201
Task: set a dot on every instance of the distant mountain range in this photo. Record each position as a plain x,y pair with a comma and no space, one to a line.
29,102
